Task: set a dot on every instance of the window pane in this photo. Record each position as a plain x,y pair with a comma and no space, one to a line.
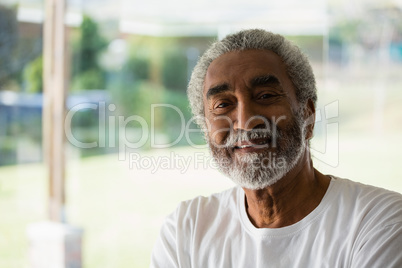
132,147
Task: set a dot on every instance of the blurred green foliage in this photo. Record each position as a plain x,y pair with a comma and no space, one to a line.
155,73
160,60
170,109
33,75
137,67
90,79
86,72
345,31
8,43
174,68
8,150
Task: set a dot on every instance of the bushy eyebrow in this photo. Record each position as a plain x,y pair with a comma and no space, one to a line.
217,89
265,80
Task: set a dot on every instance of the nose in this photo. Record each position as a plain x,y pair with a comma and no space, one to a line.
247,118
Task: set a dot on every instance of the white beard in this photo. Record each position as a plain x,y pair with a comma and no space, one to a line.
260,170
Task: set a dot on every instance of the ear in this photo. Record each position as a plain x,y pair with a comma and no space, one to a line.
309,118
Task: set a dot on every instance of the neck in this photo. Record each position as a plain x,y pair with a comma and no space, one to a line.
290,199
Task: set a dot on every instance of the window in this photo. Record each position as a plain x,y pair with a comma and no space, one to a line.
129,154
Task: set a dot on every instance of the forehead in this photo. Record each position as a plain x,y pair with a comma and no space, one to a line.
246,65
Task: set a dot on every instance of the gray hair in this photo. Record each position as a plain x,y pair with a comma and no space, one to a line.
297,65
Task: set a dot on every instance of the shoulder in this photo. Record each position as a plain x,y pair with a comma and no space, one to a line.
193,220
208,206
197,216
375,220
368,202
363,192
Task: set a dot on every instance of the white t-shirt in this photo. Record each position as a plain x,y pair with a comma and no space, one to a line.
355,225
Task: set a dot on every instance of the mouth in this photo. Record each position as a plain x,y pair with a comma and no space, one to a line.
252,144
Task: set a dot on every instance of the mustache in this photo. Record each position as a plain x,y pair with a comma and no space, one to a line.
235,137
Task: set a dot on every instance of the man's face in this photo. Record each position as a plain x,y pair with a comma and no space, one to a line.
255,124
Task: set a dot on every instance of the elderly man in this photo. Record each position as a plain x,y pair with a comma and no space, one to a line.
254,94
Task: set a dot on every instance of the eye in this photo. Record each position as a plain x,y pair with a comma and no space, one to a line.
222,105
265,96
